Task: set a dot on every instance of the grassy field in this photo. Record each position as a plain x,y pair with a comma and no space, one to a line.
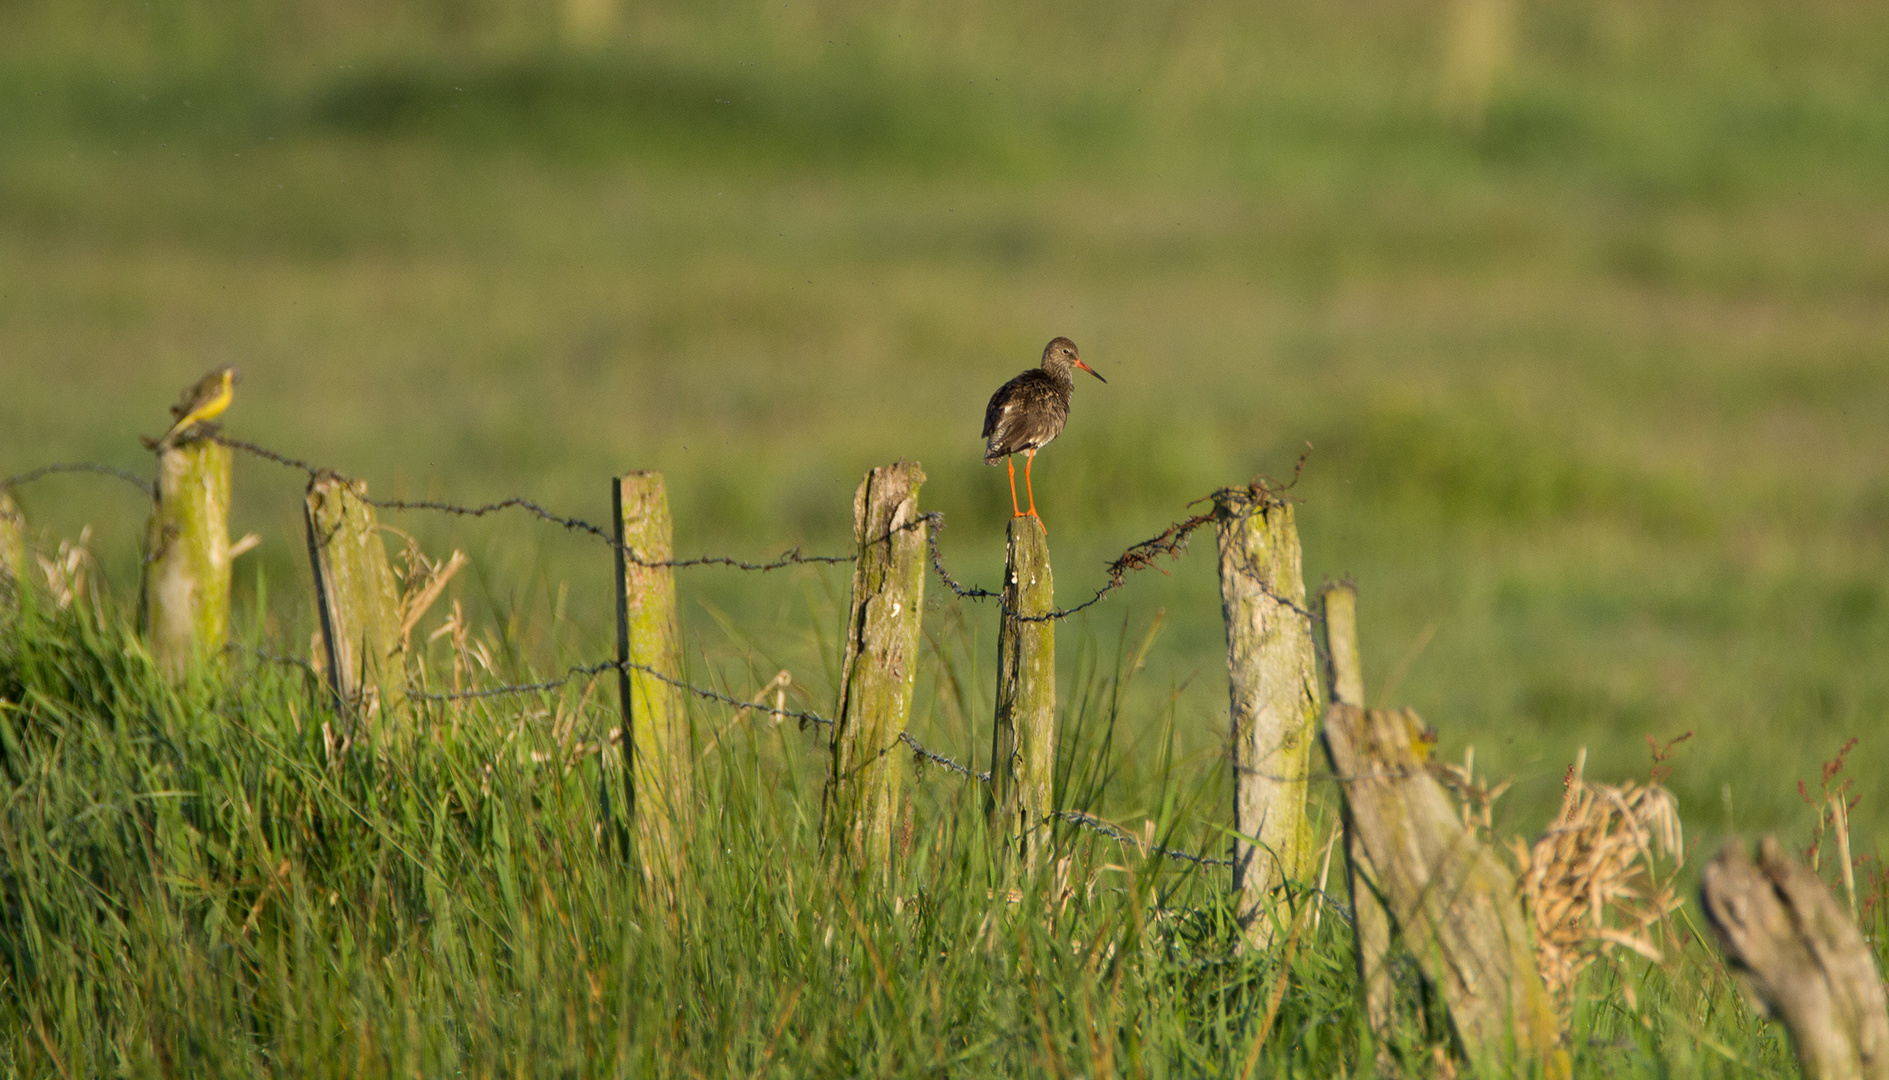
1584,323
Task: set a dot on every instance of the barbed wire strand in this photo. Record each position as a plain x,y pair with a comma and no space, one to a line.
127,476
792,557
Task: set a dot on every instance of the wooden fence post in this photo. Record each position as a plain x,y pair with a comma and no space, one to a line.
1372,926
880,665
658,770
1023,739
185,590
1802,958
1272,677
12,545
358,601
1445,894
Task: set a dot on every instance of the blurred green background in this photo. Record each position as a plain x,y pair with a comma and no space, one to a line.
1582,305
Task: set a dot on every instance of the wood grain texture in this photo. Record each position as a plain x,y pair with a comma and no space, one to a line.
1451,902
1273,696
1801,958
359,604
1023,738
879,668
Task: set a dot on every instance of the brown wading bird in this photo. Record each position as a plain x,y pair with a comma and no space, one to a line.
1028,412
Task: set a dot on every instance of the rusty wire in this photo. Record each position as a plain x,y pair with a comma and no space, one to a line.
128,477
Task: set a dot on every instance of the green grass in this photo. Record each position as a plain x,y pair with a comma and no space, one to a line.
196,884
1595,382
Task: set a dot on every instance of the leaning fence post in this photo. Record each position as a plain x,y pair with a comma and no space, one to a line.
880,665
1802,958
1372,925
1272,676
1023,739
358,601
185,591
1444,892
657,770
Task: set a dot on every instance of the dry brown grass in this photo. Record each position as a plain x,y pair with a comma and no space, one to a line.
1601,877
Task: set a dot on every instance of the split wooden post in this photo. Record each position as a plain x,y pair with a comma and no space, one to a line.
1372,926
658,768
1802,959
1273,696
12,545
1023,739
880,666
358,601
185,591
1446,895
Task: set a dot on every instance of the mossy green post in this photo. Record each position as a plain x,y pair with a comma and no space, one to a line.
12,550
658,771
185,593
1273,696
880,666
1023,740
1370,922
359,604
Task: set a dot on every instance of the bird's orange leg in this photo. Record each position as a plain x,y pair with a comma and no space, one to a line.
1028,461
1011,464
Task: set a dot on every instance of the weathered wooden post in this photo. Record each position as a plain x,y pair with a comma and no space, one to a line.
658,770
1273,697
12,544
1023,739
1801,958
1446,895
880,666
358,601
1372,926
185,591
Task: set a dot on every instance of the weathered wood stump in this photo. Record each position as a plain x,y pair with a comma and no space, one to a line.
880,666
1023,739
185,591
1273,696
1441,892
1801,958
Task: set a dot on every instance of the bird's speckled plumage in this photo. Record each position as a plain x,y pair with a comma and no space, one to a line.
1028,412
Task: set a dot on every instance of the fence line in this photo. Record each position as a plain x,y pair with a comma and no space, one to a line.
1171,542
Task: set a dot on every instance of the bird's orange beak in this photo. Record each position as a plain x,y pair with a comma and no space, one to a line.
1087,368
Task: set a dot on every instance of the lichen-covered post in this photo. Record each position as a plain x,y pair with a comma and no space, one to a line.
658,769
1449,899
1801,958
185,592
1370,922
1418,874
1023,739
1273,698
358,601
879,668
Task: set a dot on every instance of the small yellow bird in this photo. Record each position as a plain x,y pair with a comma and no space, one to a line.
204,401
